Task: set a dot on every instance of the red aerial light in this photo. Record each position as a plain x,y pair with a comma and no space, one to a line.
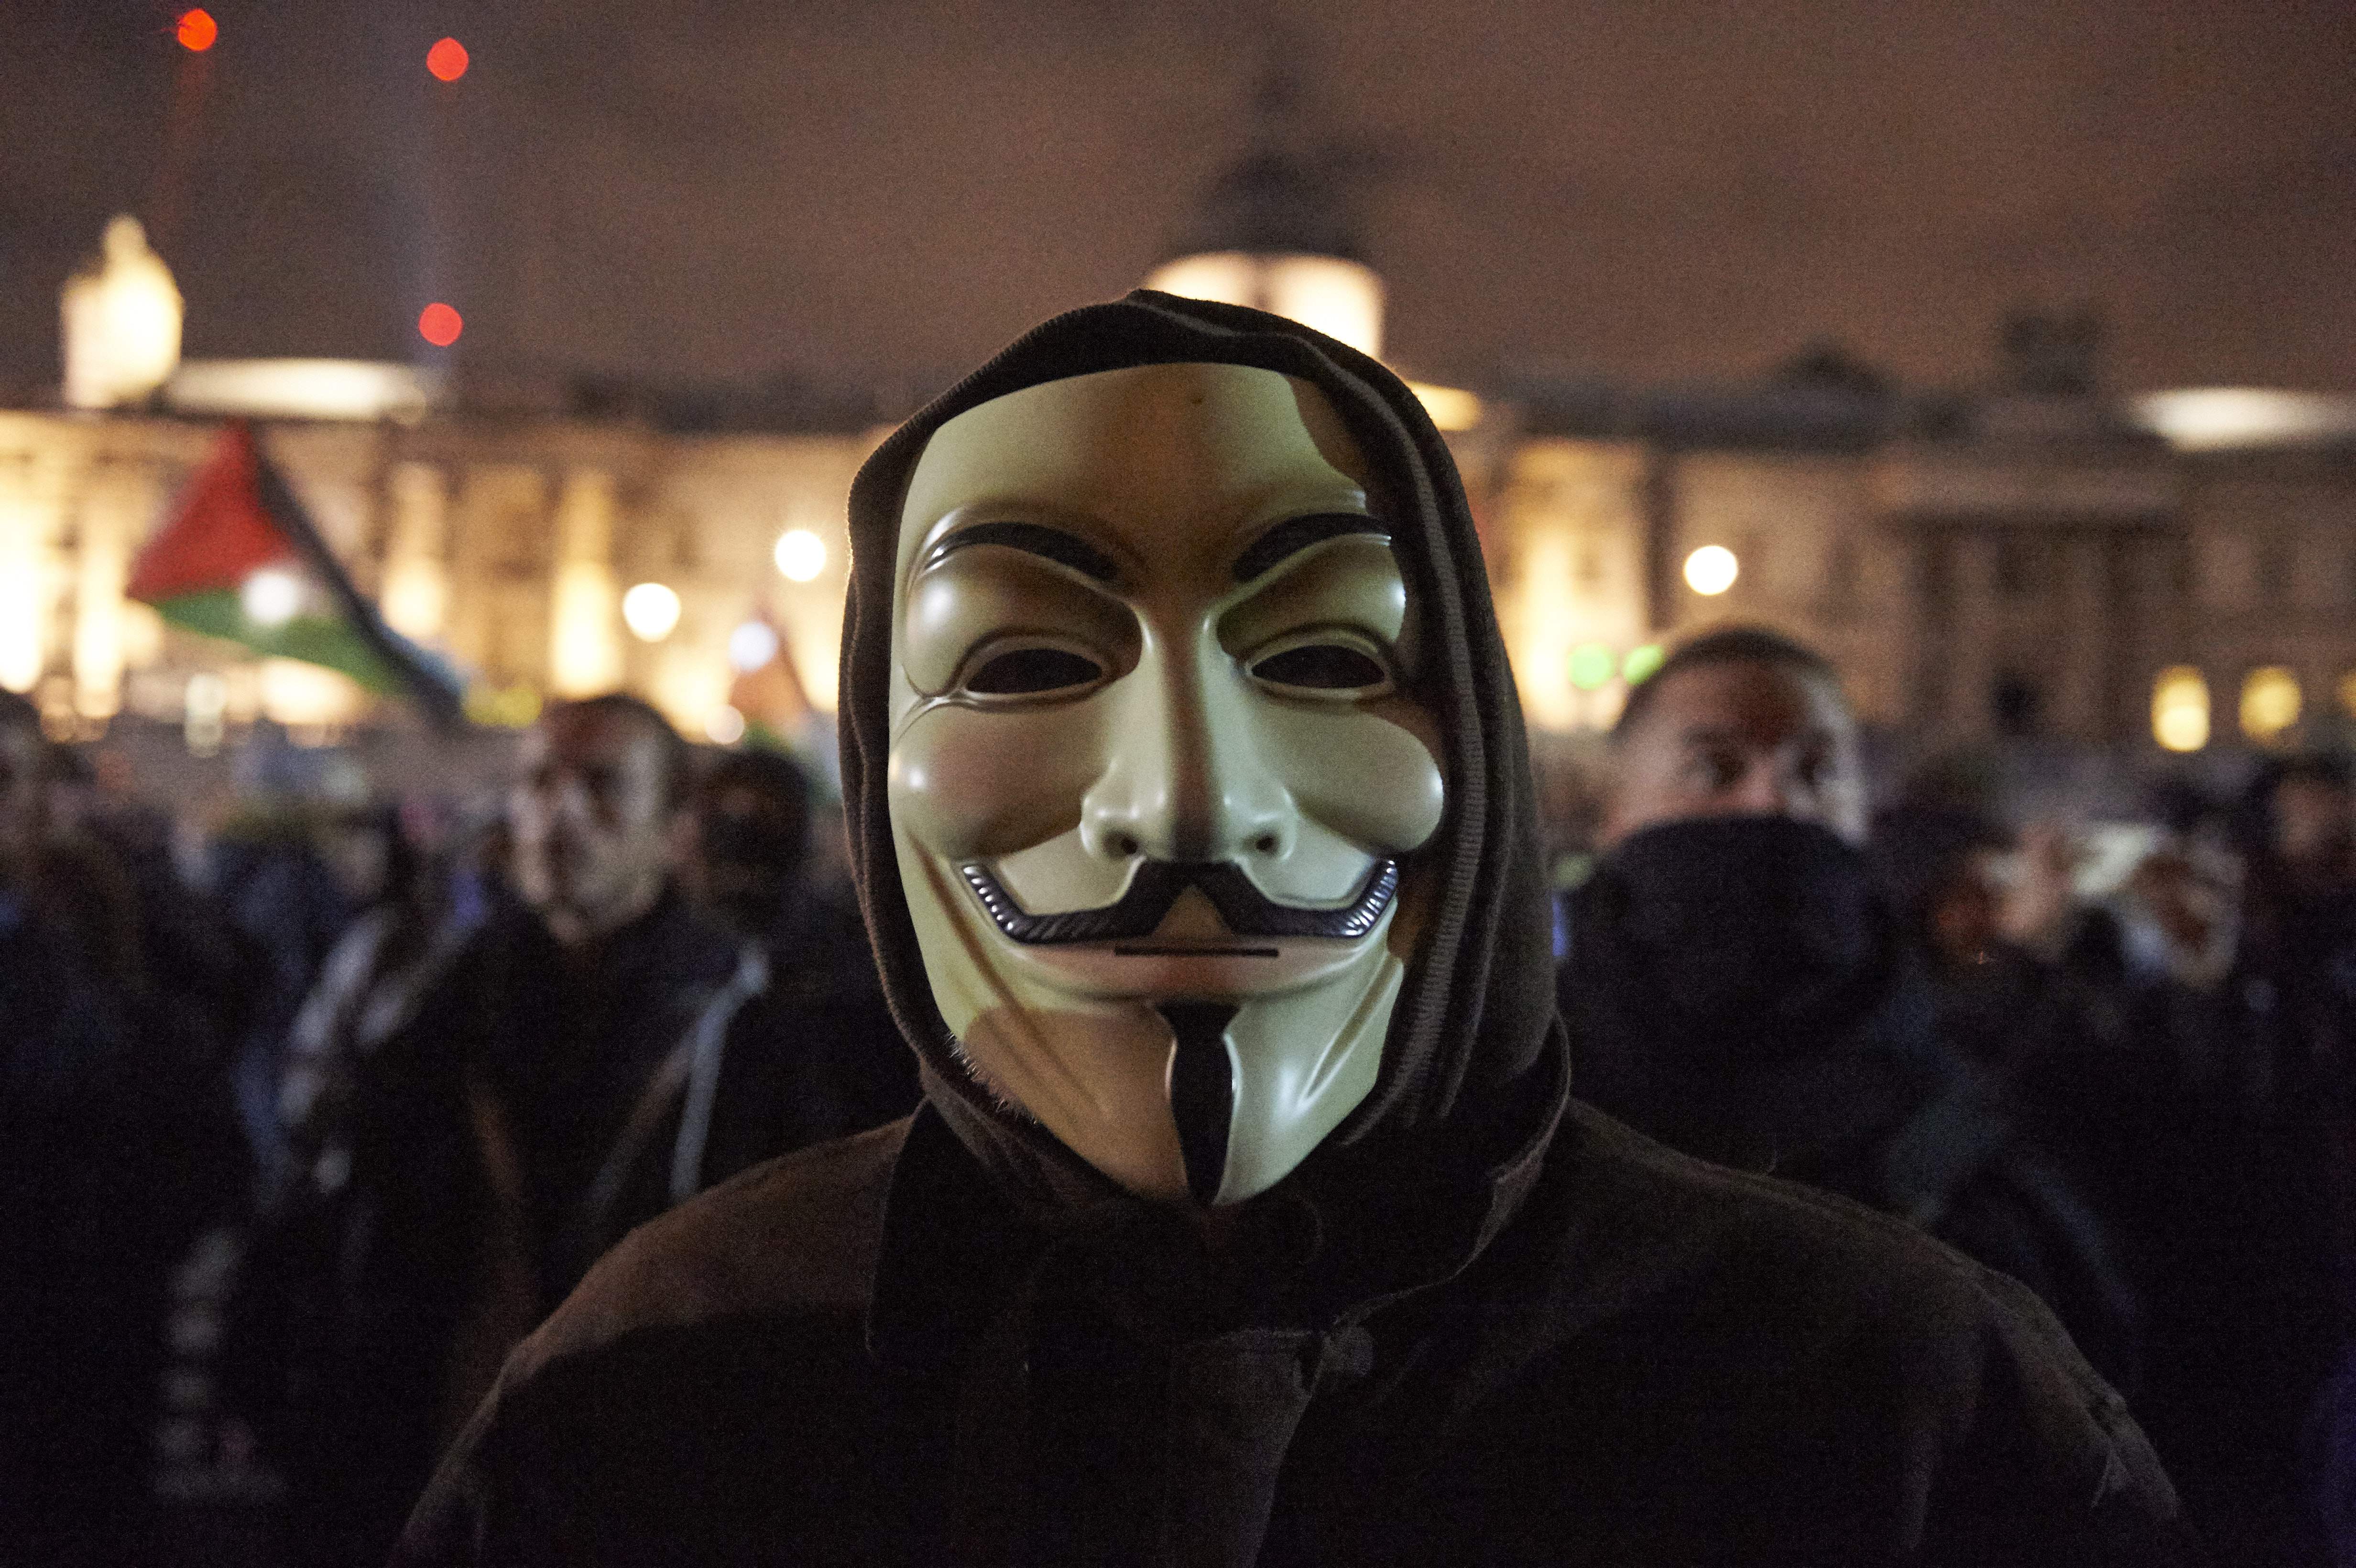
196,31
439,325
447,59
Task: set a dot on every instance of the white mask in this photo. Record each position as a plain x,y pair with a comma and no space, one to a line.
1152,664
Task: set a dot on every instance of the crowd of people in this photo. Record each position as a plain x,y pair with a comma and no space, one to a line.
300,1147
305,1133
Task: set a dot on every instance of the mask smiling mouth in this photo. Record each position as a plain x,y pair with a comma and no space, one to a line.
1158,885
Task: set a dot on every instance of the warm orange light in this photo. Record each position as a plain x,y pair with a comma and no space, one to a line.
439,325
197,30
447,59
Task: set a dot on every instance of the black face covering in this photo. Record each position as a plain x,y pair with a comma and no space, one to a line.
1737,989
1737,941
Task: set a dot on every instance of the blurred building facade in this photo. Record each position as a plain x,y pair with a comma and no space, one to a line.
2032,557
2029,560
509,542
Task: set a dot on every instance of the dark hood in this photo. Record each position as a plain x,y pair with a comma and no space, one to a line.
1471,1071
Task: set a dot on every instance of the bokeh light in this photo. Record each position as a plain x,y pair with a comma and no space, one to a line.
650,611
269,597
2180,709
1711,569
1590,666
440,325
447,59
802,554
196,31
724,726
1641,662
752,645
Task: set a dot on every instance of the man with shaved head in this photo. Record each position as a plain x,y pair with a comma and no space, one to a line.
1739,986
476,1145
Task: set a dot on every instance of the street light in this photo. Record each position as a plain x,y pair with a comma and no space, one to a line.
1711,569
650,611
802,555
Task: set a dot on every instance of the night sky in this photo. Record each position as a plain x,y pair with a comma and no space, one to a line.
880,192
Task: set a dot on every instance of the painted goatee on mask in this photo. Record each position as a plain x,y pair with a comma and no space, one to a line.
1157,772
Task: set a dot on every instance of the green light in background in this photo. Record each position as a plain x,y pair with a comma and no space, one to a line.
1590,666
1640,662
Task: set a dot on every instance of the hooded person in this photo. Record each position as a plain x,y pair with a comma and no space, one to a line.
1245,1218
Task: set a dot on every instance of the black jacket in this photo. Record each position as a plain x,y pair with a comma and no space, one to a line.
448,1198
1451,1334
1791,1031
1656,1361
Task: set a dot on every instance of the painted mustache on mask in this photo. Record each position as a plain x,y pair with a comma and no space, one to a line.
1158,884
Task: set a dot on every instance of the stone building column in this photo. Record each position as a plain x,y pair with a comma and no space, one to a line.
416,593
2083,708
32,516
115,513
584,651
1970,653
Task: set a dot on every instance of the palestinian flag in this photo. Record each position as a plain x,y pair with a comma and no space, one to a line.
240,559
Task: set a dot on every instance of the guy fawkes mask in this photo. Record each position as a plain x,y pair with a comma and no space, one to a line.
1157,772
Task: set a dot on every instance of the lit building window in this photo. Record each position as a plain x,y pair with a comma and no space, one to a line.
2270,703
2180,709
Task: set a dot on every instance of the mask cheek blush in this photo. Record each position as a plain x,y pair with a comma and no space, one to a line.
1363,775
975,784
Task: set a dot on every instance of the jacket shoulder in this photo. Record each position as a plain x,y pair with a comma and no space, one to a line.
1984,1414
799,1233
1702,1214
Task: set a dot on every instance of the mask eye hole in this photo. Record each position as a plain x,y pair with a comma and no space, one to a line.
1325,667
1033,672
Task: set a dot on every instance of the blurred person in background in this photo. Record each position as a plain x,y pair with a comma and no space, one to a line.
267,869
2179,1036
117,1147
797,1047
2250,1198
476,1087
1737,986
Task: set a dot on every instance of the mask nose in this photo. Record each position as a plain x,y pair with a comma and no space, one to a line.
1185,778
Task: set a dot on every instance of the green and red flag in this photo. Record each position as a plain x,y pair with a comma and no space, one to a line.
240,559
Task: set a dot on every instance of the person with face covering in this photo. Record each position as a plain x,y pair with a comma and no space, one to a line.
1739,986
1246,1219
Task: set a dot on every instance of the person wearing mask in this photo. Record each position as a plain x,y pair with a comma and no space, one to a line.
1737,986
453,1191
1247,1219
797,1047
